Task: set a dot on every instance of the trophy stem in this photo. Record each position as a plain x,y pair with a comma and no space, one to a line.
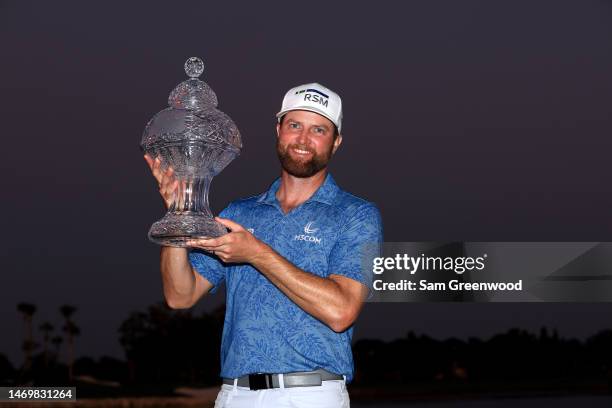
188,217
192,197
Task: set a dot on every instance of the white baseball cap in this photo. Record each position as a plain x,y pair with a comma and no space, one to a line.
315,98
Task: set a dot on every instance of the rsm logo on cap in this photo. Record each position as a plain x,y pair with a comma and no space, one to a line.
314,95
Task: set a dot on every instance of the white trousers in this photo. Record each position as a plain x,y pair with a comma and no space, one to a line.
330,394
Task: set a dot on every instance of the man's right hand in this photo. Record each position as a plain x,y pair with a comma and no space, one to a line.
168,184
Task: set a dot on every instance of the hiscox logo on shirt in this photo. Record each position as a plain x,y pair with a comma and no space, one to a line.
309,230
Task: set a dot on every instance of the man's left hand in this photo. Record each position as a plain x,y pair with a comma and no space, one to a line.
239,246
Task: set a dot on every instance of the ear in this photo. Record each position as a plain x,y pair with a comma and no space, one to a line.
337,143
277,130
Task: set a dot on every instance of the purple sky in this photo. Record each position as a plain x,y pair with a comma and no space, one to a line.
471,120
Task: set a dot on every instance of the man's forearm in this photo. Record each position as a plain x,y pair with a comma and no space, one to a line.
320,297
177,277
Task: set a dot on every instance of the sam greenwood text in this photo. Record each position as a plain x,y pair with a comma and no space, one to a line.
454,285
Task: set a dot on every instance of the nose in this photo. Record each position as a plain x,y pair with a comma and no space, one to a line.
302,137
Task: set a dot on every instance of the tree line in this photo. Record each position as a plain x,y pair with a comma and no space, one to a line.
169,347
516,356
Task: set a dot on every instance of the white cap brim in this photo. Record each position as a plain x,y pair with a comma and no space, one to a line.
309,109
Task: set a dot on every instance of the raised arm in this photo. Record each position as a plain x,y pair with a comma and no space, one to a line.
183,287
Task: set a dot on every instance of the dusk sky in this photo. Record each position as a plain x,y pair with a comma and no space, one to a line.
463,121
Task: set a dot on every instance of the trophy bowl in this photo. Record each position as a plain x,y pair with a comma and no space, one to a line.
198,141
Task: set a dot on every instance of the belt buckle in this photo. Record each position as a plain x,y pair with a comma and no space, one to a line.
260,381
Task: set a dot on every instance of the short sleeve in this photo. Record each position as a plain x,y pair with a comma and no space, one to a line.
207,265
359,242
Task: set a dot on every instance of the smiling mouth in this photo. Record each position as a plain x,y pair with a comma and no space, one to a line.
301,151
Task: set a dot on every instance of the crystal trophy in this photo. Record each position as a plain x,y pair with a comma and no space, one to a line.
198,141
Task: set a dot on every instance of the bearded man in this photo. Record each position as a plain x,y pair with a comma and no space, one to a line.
291,265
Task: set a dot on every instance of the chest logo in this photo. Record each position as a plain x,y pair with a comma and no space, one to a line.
308,228
307,235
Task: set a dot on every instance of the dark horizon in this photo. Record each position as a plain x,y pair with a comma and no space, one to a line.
515,363
462,121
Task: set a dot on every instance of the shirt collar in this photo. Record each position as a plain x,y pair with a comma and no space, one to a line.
324,194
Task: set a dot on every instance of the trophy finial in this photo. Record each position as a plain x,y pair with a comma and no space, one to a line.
194,67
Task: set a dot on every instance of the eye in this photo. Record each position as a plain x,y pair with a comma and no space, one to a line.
319,130
293,125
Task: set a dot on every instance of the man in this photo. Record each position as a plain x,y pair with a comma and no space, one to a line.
292,267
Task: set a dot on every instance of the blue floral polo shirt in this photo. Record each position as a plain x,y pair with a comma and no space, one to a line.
264,331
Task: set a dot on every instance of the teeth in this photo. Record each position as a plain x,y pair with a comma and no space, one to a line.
301,151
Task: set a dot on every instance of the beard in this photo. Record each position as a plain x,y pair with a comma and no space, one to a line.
302,168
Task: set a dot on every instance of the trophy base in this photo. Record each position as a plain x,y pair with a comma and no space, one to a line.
176,229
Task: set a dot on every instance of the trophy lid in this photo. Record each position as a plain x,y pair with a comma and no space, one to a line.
193,93
192,116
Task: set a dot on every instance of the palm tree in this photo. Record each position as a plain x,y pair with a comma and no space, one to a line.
57,341
27,310
71,331
67,311
46,328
